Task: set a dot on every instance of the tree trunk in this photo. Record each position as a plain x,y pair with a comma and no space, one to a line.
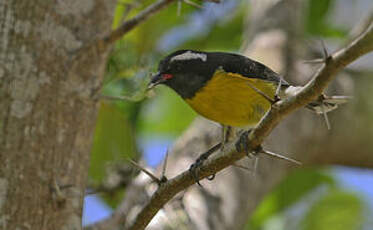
48,105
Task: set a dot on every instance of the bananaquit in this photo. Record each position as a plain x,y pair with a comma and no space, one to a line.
224,87
227,88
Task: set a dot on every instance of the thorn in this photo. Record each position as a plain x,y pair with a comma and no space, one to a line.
242,167
338,99
179,7
56,188
325,50
163,176
325,116
58,196
277,97
327,57
314,61
112,98
151,175
193,4
278,156
256,162
91,192
261,93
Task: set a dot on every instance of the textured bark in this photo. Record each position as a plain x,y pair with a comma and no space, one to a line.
47,108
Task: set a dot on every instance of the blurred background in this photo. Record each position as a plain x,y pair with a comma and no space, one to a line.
335,188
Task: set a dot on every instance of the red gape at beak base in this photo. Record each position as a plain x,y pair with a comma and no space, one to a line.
167,76
159,79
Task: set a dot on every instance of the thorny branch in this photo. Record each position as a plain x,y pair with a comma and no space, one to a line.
332,64
325,74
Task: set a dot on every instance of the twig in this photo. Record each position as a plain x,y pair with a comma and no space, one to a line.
242,167
326,73
179,5
151,175
193,4
135,21
314,61
116,179
119,98
320,60
278,89
261,93
325,50
326,118
163,176
130,24
279,156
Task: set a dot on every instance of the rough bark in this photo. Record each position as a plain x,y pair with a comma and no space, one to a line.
48,107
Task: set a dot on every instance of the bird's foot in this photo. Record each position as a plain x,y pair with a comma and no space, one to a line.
243,145
195,168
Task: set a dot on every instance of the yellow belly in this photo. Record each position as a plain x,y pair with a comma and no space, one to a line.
228,99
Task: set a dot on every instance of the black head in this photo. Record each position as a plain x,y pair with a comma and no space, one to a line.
185,71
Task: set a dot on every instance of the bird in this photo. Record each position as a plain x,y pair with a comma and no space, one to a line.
228,88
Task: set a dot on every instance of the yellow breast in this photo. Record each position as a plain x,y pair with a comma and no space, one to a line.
228,99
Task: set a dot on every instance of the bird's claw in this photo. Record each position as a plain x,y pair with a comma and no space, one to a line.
243,145
196,167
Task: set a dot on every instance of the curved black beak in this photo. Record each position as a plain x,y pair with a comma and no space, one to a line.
155,80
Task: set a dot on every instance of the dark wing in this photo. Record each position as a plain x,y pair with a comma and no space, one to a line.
235,63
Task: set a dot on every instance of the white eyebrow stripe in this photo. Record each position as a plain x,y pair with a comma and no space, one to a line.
189,55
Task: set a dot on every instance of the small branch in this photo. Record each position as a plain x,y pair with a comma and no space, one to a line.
279,156
314,61
151,175
163,176
130,24
270,100
116,98
360,46
117,177
326,118
192,4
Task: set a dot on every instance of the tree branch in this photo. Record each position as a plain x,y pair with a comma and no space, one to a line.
334,63
130,24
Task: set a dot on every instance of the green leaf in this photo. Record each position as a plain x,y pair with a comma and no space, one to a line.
338,210
113,140
166,114
225,35
288,192
317,19
131,89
